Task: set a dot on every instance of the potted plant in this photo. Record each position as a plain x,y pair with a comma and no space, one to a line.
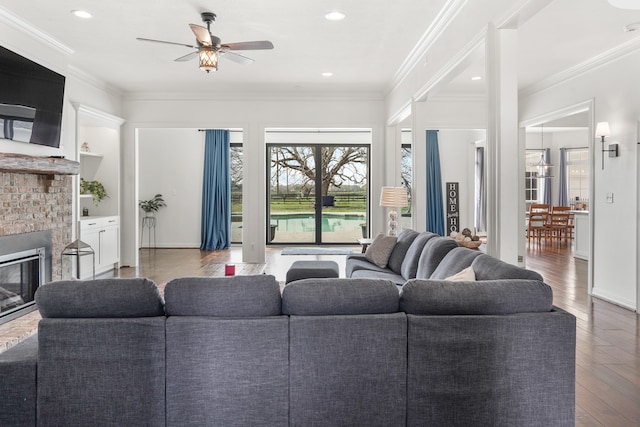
151,206
95,188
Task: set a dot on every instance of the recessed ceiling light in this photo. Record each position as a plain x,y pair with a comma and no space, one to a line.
327,74
476,78
335,16
82,14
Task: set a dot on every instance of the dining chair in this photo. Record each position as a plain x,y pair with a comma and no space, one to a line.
558,226
537,226
570,225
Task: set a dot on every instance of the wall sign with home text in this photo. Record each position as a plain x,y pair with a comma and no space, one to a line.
453,208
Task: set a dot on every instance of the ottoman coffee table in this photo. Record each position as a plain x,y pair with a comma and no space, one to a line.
312,269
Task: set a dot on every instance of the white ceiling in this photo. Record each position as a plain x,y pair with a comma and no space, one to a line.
364,51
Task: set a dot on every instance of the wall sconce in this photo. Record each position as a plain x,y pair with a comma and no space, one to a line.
602,130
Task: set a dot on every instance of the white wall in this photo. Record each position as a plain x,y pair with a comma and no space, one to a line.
178,177
615,92
252,113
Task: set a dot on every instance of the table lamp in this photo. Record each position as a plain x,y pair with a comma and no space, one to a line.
393,197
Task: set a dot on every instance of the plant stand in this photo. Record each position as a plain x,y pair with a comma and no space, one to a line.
149,223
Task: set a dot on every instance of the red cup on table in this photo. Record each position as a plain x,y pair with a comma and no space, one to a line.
229,270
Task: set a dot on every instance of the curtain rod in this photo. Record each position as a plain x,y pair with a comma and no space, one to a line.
230,130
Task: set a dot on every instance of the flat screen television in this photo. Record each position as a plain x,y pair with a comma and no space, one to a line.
31,100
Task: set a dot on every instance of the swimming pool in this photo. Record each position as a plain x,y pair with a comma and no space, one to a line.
306,222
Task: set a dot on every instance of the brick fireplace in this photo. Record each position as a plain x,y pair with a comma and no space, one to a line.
36,198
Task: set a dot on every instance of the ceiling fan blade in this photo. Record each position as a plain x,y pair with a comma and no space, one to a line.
235,57
255,45
187,57
162,41
202,34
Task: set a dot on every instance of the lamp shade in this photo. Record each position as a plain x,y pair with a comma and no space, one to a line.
602,129
394,197
208,59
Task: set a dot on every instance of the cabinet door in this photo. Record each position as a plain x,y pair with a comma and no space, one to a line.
109,246
92,238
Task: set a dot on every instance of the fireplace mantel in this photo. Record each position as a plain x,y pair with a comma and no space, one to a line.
22,163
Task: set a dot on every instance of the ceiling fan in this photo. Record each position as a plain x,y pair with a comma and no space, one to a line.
209,47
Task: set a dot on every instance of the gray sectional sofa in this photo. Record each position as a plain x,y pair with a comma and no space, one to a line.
326,352
414,255
430,256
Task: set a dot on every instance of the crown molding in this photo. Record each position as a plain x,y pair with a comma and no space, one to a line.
452,65
446,15
253,96
97,114
611,55
91,80
403,112
24,27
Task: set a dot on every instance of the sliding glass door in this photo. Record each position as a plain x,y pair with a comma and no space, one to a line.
317,193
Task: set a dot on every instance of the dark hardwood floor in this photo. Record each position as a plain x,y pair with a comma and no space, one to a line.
607,343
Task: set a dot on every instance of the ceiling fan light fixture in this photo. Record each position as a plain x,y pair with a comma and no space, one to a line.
208,59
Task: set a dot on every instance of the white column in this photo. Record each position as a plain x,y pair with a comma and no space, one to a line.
504,156
254,197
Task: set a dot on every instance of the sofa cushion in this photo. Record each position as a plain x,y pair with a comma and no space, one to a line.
18,386
466,275
455,261
434,251
135,297
357,262
494,297
405,239
320,297
380,250
489,268
385,274
235,296
412,256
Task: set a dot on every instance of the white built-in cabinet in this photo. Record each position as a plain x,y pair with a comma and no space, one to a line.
99,223
103,235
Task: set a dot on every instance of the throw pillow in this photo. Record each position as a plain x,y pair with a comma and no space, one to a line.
466,275
380,250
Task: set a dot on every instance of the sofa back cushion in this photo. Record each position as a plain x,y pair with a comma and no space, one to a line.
403,243
347,356
236,296
456,371
322,297
454,262
488,268
434,251
494,297
103,298
412,257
